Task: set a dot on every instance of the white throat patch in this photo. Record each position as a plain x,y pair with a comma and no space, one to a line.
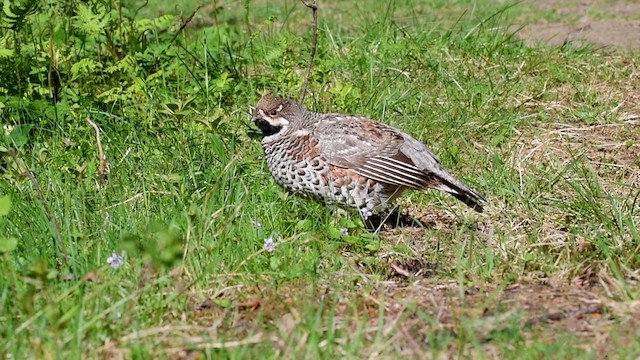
278,121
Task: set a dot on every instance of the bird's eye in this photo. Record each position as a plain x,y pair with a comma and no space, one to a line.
273,113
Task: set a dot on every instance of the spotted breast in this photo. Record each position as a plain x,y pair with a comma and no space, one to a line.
296,164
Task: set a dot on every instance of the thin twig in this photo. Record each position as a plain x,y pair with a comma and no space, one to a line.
139,195
184,24
204,343
103,168
314,7
561,315
36,186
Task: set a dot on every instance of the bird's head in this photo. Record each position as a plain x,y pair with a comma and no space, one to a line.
274,114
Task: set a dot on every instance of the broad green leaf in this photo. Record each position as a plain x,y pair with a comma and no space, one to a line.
5,205
304,225
6,46
334,233
373,246
225,303
8,244
20,134
6,8
6,53
85,66
88,22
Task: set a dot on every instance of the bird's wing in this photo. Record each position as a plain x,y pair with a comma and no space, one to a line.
372,149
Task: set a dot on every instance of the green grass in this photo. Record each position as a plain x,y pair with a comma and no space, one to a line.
548,135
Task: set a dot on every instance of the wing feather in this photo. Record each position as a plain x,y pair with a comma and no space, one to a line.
384,169
370,148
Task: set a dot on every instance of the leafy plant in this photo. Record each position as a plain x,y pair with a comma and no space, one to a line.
7,244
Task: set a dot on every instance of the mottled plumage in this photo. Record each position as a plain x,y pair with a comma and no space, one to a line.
347,159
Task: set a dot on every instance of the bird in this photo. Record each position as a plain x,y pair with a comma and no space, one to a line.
349,160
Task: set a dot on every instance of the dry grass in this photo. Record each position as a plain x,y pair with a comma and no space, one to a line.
416,309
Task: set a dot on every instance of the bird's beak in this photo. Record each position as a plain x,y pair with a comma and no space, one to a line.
254,114
256,118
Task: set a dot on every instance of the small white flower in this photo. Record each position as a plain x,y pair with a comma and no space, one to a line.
257,224
269,244
344,231
366,213
7,129
115,260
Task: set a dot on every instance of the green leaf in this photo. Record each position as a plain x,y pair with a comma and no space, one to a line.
20,134
6,8
334,233
8,244
6,46
275,263
68,316
88,22
304,225
453,151
84,66
373,246
5,205
225,303
6,53
351,239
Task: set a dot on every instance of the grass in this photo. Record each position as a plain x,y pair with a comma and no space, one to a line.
548,135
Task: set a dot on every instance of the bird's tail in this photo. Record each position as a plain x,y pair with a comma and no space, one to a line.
462,192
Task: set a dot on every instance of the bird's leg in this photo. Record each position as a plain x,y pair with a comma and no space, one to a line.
393,218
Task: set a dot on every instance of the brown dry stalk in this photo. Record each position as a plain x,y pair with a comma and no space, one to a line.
36,186
185,22
561,315
103,168
177,332
314,8
204,343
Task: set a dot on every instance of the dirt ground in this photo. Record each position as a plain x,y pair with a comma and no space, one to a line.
580,303
601,23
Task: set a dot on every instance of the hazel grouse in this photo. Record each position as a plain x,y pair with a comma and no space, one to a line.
348,159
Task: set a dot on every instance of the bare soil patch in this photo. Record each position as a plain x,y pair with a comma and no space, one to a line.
599,23
416,313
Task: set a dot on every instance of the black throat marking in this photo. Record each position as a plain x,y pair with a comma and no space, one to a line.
266,127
